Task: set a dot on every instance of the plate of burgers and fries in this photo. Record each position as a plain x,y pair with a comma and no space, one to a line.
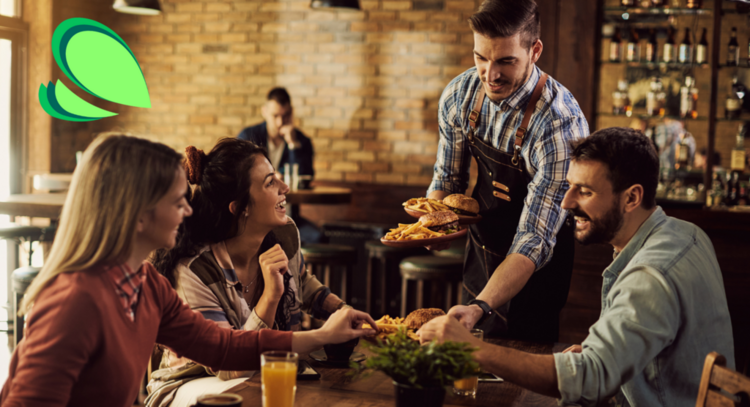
431,229
388,326
465,207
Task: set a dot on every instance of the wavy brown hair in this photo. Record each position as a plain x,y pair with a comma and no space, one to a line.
118,179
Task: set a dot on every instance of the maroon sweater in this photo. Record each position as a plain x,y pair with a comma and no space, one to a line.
81,350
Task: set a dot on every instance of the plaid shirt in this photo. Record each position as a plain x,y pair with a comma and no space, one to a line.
557,120
128,286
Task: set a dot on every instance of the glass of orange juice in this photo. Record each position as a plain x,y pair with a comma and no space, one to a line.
469,385
278,377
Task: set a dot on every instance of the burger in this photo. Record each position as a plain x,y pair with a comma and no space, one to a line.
462,204
443,221
419,317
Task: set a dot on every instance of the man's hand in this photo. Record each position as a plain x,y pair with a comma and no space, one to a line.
290,136
446,328
346,324
468,315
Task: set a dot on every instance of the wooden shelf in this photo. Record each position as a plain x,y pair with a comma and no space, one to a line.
625,13
660,65
643,116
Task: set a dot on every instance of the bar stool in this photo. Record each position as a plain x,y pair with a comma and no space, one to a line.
321,258
447,271
22,278
382,265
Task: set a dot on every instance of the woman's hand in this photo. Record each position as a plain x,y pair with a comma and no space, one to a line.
343,325
273,265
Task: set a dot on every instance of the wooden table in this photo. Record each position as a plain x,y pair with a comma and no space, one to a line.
33,205
320,195
335,388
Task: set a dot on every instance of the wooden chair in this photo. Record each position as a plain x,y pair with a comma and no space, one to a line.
721,386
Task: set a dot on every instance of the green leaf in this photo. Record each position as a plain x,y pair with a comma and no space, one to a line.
95,58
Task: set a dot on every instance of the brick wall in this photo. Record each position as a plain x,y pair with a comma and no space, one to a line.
365,85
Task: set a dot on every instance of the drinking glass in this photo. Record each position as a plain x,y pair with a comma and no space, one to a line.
278,377
469,385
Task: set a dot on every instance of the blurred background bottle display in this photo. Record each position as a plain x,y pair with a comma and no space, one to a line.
694,3
627,3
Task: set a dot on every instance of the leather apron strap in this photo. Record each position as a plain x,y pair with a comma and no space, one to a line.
521,132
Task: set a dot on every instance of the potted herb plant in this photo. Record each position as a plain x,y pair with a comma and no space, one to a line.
420,373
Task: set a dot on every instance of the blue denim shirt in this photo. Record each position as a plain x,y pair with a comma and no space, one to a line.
663,310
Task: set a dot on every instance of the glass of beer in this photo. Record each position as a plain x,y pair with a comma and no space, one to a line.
278,377
469,385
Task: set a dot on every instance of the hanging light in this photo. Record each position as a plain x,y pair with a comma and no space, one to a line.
350,5
143,7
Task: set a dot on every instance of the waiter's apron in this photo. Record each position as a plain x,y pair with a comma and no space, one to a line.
534,313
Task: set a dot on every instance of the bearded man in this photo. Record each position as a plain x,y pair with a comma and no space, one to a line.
516,121
663,302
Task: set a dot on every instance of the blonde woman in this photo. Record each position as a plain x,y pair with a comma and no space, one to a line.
96,309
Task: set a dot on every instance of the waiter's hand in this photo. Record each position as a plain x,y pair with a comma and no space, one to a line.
574,349
445,328
467,315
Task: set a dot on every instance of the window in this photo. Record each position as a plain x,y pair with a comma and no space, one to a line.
9,8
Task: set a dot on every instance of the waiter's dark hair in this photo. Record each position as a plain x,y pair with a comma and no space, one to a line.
506,18
280,95
629,155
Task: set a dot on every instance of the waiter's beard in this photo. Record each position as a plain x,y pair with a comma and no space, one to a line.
515,85
601,230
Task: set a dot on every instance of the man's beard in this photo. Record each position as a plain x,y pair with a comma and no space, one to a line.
516,84
600,230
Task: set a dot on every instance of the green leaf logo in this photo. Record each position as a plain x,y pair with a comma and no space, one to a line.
97,60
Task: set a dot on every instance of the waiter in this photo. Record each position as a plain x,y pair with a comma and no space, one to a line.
517,123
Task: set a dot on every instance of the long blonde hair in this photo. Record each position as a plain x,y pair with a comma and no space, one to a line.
118,179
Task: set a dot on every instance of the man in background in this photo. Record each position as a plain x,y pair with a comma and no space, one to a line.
285,143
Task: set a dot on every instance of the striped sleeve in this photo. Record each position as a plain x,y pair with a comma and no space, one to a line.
542,215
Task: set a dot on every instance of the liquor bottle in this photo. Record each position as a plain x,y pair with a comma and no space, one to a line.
621,100
645,3
733,49
669,47
685,56
701,51
633,50
651,47
732,195
627,3
684,159
738,152
733,103
655,98
715,195
615,47
658,3
694,3
688,99
743,199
